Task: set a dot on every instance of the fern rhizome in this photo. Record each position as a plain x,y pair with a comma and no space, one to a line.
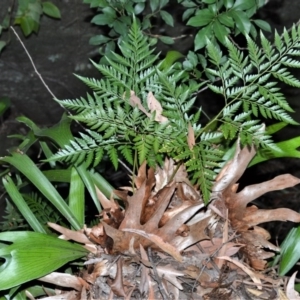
142,111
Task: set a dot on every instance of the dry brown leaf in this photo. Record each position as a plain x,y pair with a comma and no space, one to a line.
156,107
253,276
191,137
170,274
141,176
102,199
99,268
134,101
290,291
197,232
153,212
29,295
234,169
77,236
170,170
212,246
72,295
134,208
196,273
65,280
222,251
159,242
145,282
244,218
117,286
282,296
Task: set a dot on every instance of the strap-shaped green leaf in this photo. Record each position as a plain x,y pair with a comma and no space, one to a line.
26,166
76,196
21,204
290,252
33,255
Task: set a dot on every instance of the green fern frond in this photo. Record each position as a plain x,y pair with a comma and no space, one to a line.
204,159
12,219
122,125
214,53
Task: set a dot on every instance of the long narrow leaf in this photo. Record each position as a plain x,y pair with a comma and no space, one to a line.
290,251
58,175
102,184
26,166
48,153
76,197
287,148
21,204
88,181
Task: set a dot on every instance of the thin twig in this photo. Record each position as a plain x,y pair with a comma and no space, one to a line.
156,277
48,89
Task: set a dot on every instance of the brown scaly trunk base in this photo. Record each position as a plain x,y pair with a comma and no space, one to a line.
165,244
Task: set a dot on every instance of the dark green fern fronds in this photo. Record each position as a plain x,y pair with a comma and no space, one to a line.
248,92
42,209
140,111
12,219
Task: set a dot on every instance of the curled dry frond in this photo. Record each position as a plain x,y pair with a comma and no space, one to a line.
165,214
243,217
155,215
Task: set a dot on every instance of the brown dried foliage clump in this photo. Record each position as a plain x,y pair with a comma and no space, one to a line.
165,244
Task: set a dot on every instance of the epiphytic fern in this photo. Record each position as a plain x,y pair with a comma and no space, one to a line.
122,122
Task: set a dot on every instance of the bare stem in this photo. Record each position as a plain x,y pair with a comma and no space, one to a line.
31,60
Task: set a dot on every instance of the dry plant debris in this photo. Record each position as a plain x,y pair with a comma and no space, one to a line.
165,244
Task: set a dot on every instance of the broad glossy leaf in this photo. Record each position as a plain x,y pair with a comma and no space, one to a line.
162,3
60,133
263,25
167,17
228,3
170,58
102,19
138,8
166,39
99,40
202,18
51,10
220,31
243,5
154,5
226,19
187,13
27,25
242,21
32,255
120,28
202,36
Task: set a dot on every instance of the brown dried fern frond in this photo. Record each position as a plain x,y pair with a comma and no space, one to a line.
165,236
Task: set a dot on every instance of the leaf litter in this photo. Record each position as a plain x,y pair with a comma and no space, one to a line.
161,242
